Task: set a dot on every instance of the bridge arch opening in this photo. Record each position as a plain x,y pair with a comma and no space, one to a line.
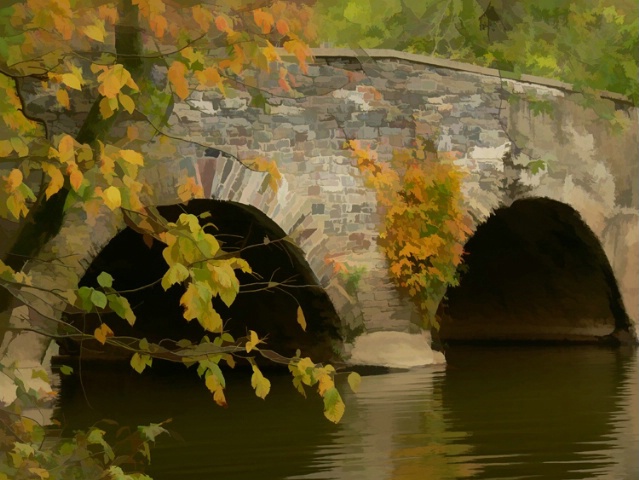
533,271
271,312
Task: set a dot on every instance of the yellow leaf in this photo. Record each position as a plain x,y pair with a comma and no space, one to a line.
56,182
261,385
105,108
63,98
66,149
210,319
324,382
132,157
333,405
40,472
112,197
212,383
71,81
95,32
140,361
127,102
113,79
14,179
102,332
5,148
354,380
19,146
219,398
176,73
252,342
300,318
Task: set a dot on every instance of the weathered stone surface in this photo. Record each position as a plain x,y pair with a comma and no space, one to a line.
386,103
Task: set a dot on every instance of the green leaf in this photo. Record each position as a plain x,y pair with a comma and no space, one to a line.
536,166
66,370
333,405
122,308
105,280
84,295
98,299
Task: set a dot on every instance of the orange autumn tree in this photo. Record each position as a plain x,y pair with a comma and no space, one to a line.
129,61
425,224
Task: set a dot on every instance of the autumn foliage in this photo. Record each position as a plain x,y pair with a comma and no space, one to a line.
425,224
86,92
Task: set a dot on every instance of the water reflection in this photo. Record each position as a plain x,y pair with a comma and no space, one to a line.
394,429
493,413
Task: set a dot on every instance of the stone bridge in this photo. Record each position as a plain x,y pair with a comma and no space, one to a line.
551,184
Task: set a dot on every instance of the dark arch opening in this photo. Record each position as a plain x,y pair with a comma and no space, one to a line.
533,271
270,312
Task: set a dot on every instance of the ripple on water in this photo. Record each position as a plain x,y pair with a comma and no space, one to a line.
492,413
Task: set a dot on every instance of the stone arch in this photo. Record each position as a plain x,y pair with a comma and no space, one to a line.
225,179
535,271
271,313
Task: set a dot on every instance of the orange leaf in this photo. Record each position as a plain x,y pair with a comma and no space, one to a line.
158,24
222,25
75,178
202,16
208,77
108,13
264,20
63,98
301,52
132,132
176,74
282,27
218,396
102,332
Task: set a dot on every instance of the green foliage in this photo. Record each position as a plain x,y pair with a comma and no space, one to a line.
351,278
591,44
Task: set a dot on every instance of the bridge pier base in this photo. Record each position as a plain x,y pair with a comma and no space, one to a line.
394,350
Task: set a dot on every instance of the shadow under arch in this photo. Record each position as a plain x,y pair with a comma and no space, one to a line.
271,312
534,271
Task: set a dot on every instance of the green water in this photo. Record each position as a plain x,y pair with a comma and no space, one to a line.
493,413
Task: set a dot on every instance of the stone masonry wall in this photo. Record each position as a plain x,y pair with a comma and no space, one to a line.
385,100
